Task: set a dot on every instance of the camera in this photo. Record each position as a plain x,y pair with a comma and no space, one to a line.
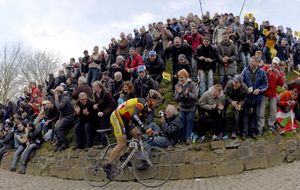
161,113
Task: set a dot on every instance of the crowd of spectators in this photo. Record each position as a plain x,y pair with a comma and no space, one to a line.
219,64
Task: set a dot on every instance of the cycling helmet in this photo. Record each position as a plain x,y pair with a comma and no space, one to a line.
155,95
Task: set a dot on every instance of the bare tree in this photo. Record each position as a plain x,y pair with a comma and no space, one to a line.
11,56
38,65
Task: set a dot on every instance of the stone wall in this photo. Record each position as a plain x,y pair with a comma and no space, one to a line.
201,160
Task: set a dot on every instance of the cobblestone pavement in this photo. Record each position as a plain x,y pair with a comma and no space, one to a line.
284,177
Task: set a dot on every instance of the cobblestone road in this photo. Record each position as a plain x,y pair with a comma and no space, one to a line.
284,177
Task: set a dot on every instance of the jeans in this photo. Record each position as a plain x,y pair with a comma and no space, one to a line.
158,141
83,131
194,70
26,153
203,78
251,118
93,75
187,122
272,111
17,154
245,58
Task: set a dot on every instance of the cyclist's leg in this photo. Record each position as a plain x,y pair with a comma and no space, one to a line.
120,135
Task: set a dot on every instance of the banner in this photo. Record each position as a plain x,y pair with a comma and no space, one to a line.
166,76
297,33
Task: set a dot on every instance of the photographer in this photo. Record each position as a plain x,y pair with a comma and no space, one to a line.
212,102
66,118
166,134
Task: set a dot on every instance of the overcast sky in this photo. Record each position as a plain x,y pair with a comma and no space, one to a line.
70,26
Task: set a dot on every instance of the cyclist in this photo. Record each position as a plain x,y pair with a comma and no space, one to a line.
125,120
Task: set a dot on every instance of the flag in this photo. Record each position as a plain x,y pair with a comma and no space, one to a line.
166,76
297,33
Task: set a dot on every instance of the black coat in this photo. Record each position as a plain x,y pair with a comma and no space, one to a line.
142,86
207,52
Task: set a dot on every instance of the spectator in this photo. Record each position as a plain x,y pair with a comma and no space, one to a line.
143,83
183,63
85,63
285,115
21,137
33,143
83,128
218,32
119,65
162,36
146,43
246,42
257,83
212,102
50,83
94,66
104,105
173,51
123,45
117,85
66,118
167,134
227,56
155,66
133,62
70,87
34,90
206,57
112,50
186,94
235,96
106,81
82,87
127,92
275,78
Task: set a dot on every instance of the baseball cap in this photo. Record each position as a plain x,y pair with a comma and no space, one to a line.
141,68
276,60
152,53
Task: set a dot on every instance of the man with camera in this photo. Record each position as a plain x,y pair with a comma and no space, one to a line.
275,78
66,118
166,134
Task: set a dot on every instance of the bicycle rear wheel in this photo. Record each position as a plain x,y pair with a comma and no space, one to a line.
159,171
91,169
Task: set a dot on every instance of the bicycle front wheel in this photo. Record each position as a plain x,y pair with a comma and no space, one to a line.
158,171
92,172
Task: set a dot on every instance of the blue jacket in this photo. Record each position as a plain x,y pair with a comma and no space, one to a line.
261,83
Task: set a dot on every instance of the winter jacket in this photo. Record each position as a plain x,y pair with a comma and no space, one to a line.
174,52
155,68
64,106
142,86
123,47
261,83
162,39
207,100
284,97
106,102
238,95
146,42
172,129
217,35
275,78
89,106
108,84
194,40
228,49
244,46
207,52
133,62
187,102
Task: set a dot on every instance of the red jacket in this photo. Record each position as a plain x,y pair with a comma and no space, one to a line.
134,63
194,40
275,78
35,91
284,98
